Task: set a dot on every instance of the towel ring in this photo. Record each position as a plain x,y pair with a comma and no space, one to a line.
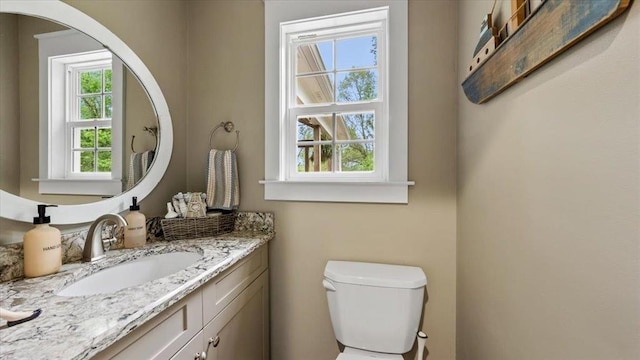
153,130
228,127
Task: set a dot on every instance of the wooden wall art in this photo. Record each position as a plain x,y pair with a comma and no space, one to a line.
551,28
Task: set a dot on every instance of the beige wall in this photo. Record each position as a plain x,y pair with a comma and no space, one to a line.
9,105
549,204
226,82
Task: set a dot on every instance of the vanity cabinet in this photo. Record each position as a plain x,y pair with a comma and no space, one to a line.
240,331
227,318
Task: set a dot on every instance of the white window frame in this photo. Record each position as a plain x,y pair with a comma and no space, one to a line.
294,34
388,184
58,50
72,157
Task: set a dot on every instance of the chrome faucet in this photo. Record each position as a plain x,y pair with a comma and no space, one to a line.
93,244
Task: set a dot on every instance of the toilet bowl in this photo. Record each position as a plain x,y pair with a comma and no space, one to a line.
375,308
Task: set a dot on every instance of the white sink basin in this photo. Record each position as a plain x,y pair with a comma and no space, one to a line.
130,274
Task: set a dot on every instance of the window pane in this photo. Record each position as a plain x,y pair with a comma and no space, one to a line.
104,137
356,157
308,162
305,158
104,161
356,52
107,80
316,89
315,57
91,82
315,127
354,86
84,138
90,107
358,126
83,161
108,107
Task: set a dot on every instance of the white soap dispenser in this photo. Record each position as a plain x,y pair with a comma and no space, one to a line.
135,234
42,246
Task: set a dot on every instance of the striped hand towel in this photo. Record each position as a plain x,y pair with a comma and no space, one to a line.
223,188
147,159
139,164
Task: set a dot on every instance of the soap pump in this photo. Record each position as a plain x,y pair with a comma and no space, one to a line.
135,234
42,246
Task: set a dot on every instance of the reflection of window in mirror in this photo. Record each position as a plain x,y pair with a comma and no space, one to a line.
81,91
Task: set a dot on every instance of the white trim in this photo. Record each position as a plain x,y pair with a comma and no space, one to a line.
290,12
20,209
328,22
80,186
345,183
375,192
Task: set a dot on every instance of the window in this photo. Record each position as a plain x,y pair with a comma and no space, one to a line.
340,134
89,109
336,97
81,96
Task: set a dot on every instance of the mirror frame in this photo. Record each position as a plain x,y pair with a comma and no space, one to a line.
20,209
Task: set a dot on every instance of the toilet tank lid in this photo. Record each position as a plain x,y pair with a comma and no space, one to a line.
372,274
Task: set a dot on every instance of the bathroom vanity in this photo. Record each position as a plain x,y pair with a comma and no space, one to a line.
217,306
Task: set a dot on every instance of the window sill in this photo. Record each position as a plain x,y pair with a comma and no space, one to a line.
395,192
105,187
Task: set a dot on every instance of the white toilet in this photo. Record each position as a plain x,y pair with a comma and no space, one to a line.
375,308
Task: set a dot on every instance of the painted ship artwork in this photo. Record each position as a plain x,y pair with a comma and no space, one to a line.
491,37
535,32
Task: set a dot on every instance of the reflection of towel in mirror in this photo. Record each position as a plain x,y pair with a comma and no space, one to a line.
223,189
139,164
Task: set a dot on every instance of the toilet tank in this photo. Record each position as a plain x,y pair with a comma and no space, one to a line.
375,307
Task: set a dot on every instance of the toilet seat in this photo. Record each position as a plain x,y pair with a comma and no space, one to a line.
356,354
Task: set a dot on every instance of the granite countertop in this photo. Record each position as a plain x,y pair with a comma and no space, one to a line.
81,327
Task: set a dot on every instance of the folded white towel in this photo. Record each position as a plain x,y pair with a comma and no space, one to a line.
223,188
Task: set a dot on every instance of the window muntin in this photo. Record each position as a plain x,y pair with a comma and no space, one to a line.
336,107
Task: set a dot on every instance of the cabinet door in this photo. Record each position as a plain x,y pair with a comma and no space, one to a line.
193,349
241,330
162,336
221,290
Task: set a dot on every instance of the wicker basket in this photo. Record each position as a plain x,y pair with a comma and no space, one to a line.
193,228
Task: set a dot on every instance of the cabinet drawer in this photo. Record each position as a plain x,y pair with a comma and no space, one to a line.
193,349
219,292
162,336
241,330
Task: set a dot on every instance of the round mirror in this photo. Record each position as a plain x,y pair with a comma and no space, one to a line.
117,144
